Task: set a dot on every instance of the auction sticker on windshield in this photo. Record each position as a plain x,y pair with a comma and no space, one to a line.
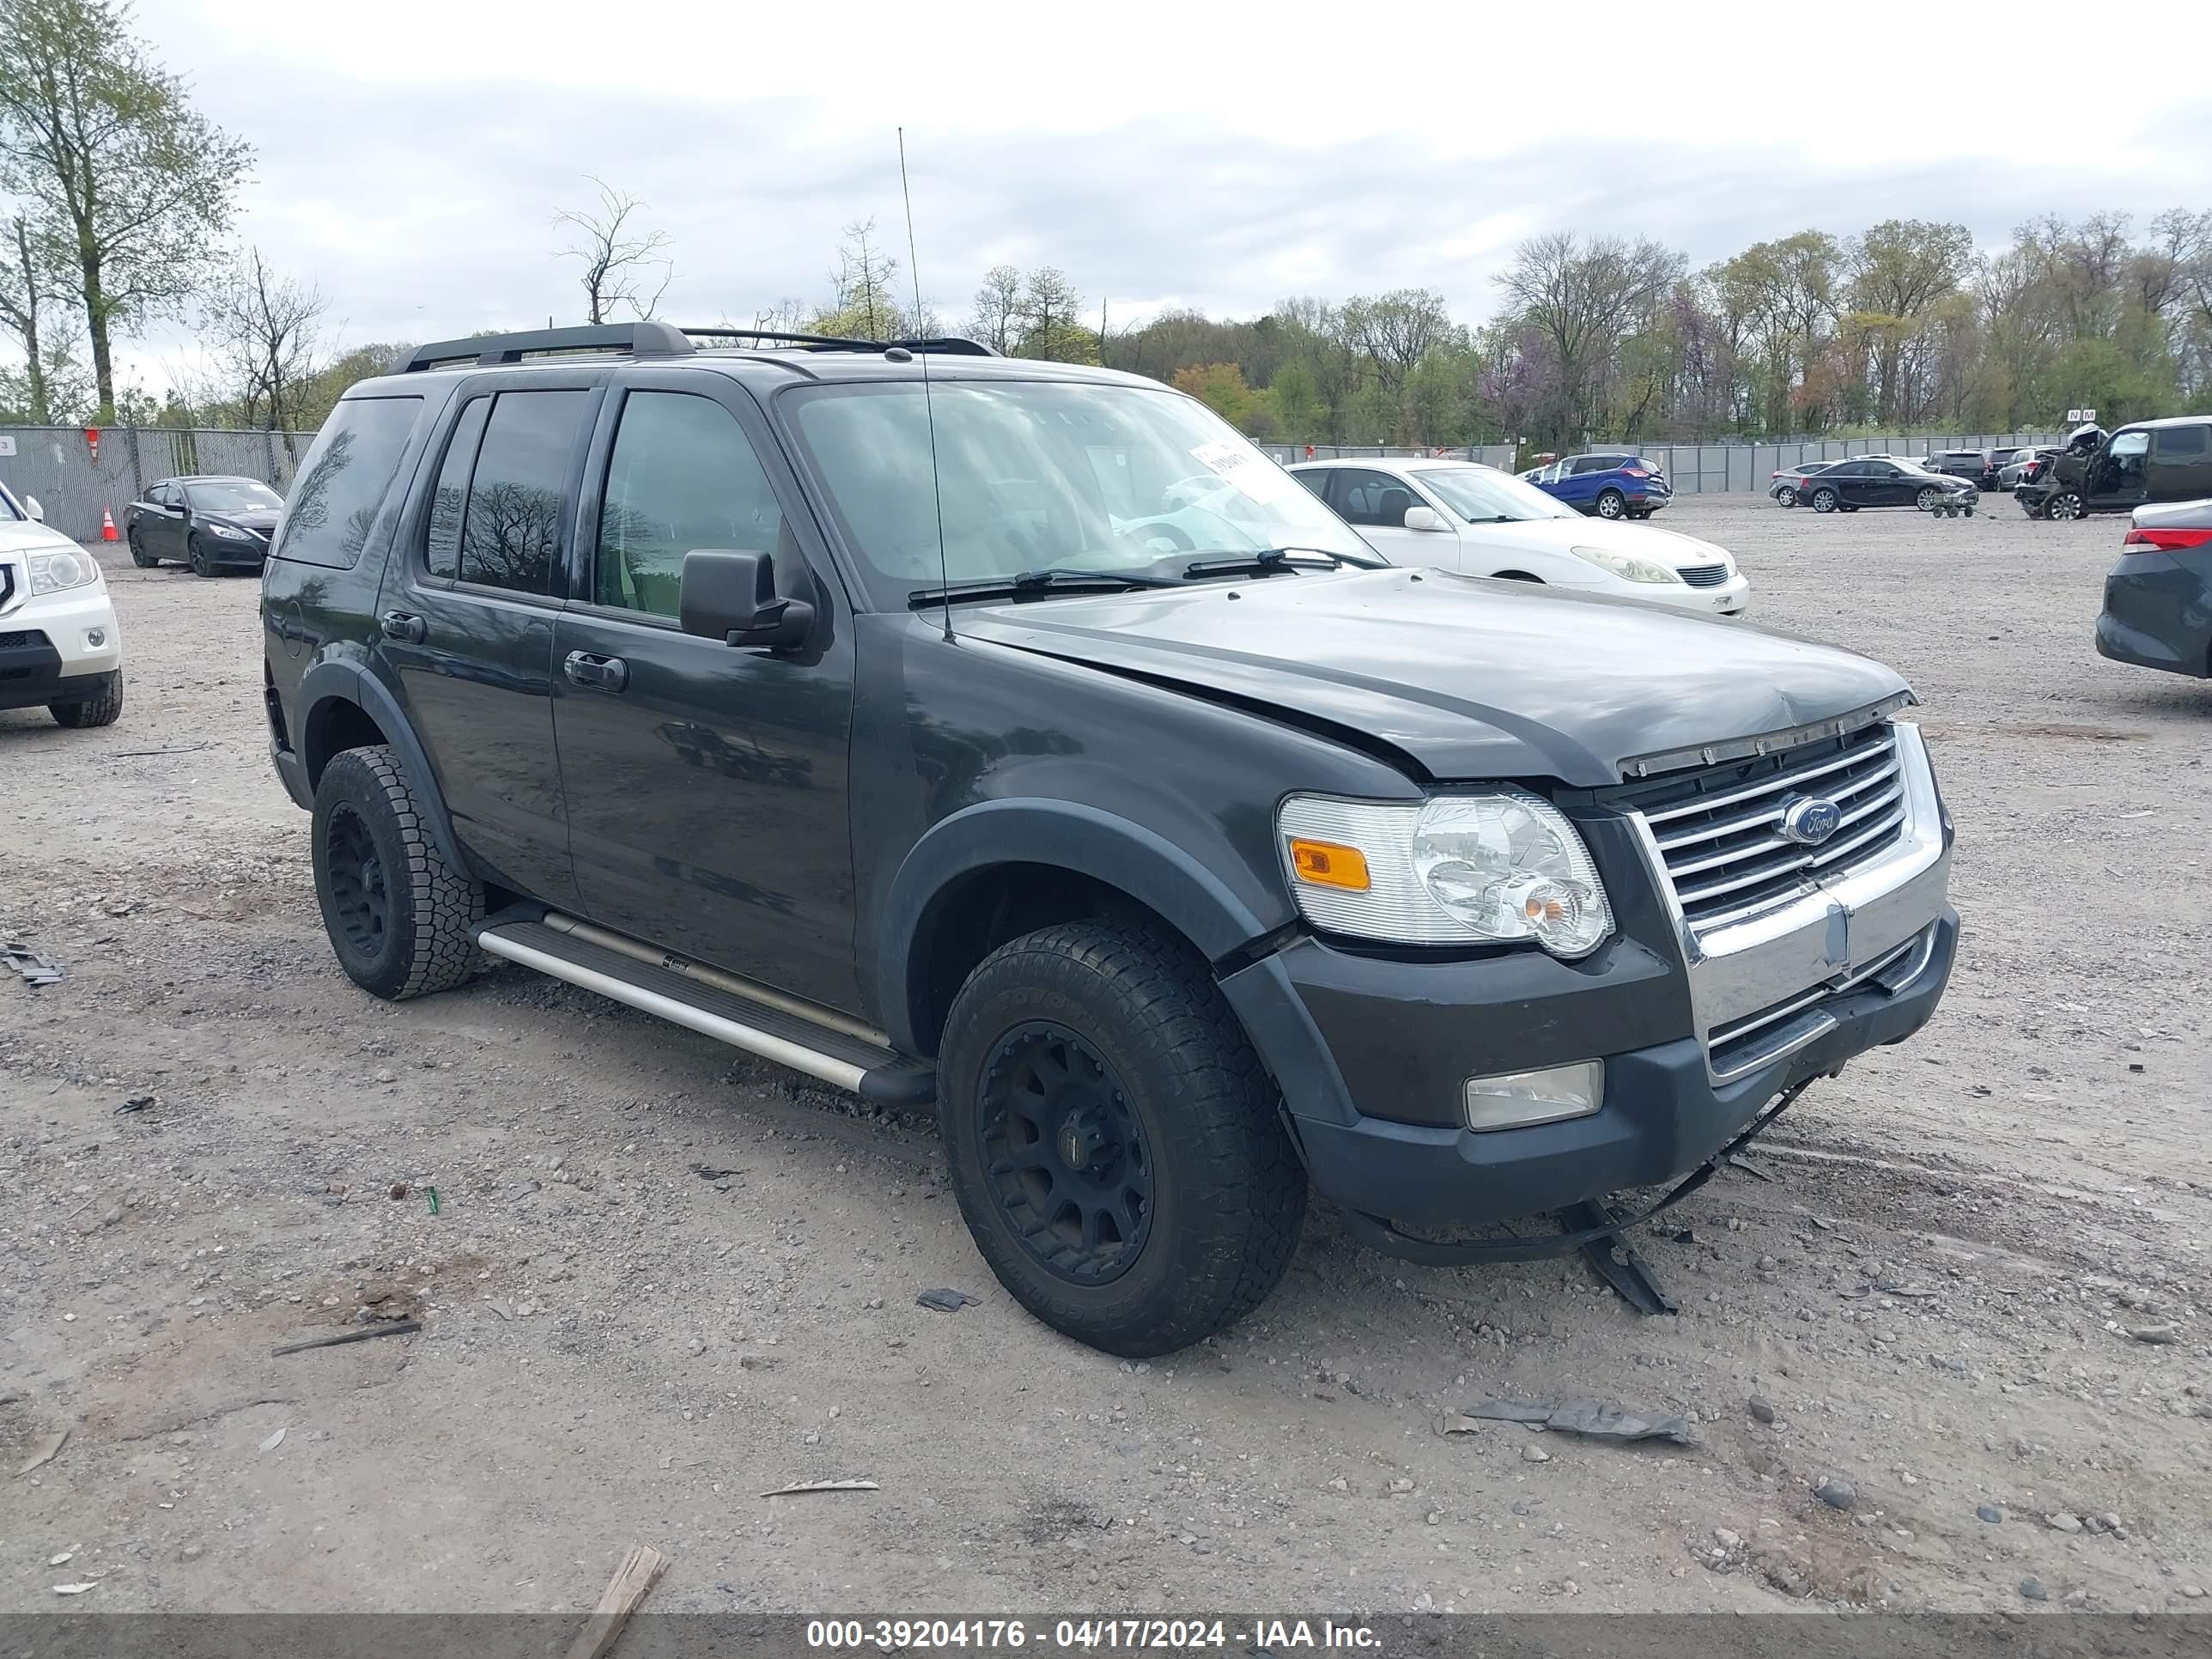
1248,471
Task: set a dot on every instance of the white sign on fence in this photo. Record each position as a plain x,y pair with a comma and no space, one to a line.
7,445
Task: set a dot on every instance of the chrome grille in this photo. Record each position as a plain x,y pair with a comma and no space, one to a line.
1703,575
1719,830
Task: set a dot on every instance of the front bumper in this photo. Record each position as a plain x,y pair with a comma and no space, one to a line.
1728,599
1698,1026
1662,1116
54,647
2158,612
228,554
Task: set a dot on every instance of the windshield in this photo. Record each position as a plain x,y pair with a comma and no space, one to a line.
234,496
1481,494
1037,474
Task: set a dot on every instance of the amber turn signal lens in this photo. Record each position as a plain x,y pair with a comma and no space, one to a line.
1325,864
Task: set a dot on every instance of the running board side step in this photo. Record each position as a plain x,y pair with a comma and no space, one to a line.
681,993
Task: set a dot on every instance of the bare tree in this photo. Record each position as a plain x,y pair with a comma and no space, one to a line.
624,264
30,302
266,332
1580,297
998,316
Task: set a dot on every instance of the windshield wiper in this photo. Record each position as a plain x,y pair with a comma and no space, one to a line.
1055,580
1265,561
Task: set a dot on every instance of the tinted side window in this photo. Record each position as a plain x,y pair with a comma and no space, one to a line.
511,532
441,551
1317,481
2182,443
682,476
334,505
159,495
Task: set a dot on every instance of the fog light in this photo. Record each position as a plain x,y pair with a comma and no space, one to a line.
1514,1100
94,638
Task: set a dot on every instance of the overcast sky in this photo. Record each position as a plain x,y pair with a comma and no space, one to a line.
412,153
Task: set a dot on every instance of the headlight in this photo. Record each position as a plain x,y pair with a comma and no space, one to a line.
1501,866
231,532
1626,566
53,572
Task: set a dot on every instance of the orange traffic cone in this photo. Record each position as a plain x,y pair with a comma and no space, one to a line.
107,527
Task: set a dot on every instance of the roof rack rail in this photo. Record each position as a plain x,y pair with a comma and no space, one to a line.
953,345
644,338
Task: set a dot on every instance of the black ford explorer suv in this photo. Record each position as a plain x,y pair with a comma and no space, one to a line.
1015,735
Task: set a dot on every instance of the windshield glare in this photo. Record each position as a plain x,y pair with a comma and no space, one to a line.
1042,474
1482,493
233,496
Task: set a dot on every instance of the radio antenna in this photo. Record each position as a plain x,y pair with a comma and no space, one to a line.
928,404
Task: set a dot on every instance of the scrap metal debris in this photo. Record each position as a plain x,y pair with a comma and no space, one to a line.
1600,1419
1451,1423
136,1104
364,1333
945,1301
799,1487
35,968
708,1172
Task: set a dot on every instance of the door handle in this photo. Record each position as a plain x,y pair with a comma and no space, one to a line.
399,625
606,673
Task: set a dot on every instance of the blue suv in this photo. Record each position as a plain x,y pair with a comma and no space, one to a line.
1611,485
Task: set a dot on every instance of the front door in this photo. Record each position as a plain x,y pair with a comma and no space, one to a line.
466,621
706,783
1887,484
2115,474
1376,504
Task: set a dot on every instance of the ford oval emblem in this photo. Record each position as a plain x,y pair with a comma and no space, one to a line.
1809,820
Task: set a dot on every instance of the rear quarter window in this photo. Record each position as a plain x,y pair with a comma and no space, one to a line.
343,486
2182,443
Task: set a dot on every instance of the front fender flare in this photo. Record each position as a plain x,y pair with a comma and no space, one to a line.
336,679
1126,855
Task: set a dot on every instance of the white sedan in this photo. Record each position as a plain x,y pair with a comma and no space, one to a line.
1463,516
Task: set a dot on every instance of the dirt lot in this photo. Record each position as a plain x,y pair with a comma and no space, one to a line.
656,1283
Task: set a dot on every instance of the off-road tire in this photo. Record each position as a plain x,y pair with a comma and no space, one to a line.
1229,1192
100,709
424,944
139,556
1612,504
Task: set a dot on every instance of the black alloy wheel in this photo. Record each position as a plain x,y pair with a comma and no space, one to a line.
1066,1153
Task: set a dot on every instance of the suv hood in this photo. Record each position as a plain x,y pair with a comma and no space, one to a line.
29,536
1468,677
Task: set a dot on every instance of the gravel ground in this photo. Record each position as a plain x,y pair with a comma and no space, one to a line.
655,1283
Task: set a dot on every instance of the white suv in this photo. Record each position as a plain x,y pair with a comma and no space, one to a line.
1463,516
58,643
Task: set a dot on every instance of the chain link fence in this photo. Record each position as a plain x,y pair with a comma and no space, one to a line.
1696,469
76,480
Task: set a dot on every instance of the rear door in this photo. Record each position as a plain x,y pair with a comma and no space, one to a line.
2180,463
706,784
1375,503
467,619
163,533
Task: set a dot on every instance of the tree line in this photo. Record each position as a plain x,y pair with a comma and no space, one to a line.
118,198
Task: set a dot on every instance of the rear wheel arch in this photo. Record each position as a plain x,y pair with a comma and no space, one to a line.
346,708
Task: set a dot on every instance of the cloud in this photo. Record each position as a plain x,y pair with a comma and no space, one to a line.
411,165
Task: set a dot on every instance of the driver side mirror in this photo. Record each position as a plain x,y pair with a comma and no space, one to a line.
31,505
730,596
1425,518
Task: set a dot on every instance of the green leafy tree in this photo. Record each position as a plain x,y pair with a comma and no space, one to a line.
1221,388
128,186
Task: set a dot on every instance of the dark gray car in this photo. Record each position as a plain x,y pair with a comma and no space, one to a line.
2158,598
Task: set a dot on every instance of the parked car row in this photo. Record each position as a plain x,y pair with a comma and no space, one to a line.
1847,485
